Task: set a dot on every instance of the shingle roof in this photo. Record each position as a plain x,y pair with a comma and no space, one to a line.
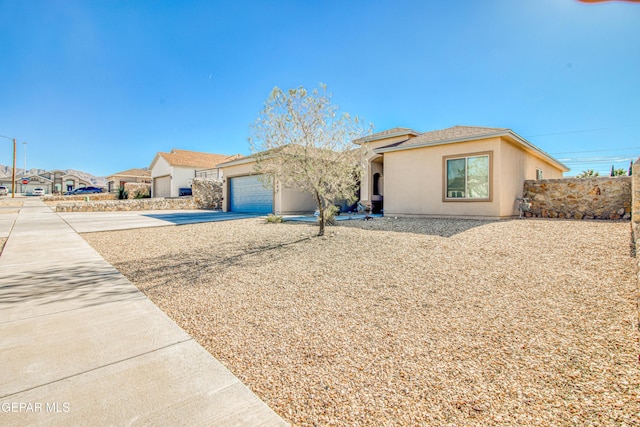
134,172
387,133
193,158
452,133
467,133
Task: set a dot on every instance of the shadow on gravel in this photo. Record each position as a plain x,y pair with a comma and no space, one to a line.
443,227
191,265
46,290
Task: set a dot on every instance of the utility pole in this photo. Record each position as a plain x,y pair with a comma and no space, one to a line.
13,172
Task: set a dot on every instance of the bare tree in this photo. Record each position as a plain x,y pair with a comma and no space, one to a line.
301,141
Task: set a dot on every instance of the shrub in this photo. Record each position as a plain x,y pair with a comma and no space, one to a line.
122,194
273,219
330,215
141,193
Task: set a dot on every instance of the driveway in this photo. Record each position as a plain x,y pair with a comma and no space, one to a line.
87,222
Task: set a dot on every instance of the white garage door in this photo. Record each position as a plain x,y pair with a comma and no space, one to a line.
162,186
248,194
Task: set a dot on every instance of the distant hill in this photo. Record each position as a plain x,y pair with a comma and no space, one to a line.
98,181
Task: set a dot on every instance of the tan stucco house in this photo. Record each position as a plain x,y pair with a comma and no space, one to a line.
173,171
245,191
118,180
460,171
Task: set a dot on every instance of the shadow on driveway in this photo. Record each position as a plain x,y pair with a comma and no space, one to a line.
180,218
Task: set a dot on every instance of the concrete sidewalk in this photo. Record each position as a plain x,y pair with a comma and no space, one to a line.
80,345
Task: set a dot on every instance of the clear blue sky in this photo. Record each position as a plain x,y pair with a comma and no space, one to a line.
101,86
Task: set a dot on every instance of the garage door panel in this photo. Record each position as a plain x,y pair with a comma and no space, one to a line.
162,186
248,194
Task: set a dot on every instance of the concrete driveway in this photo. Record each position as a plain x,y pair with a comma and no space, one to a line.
87,222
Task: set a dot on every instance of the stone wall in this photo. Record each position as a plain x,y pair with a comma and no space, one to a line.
635,227
94,196
635,206
137,190
580,198
207,193
128,205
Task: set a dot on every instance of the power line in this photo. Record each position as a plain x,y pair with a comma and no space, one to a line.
597,159
596,151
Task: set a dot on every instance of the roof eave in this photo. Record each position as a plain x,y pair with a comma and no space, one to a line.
371,138
241,161
508,133
435,143
533,149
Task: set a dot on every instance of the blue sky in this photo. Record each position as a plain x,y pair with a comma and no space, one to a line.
101,86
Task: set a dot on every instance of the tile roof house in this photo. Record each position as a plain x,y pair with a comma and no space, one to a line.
117,180
173,172
463,171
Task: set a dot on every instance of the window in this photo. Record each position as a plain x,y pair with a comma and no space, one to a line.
468,178
539,174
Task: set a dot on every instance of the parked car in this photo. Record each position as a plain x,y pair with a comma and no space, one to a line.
3,190
84,190
38,191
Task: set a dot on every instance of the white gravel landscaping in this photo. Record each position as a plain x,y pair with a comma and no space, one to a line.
406,321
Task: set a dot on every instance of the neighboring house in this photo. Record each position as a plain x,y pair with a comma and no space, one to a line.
43,181
459,171
117,180
173,171
63,182
55,181
245,191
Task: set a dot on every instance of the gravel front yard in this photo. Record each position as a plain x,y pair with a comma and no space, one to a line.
437,322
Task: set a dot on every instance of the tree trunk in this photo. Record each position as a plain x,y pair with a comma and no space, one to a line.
321,215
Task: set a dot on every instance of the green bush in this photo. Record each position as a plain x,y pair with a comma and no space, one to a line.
330,215
122,194
273,219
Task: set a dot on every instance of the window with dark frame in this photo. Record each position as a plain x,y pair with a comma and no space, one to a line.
467,178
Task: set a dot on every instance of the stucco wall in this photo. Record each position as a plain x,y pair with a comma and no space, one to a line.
160,168
290,201
515,166
366,184
414,181
182,177
580,198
